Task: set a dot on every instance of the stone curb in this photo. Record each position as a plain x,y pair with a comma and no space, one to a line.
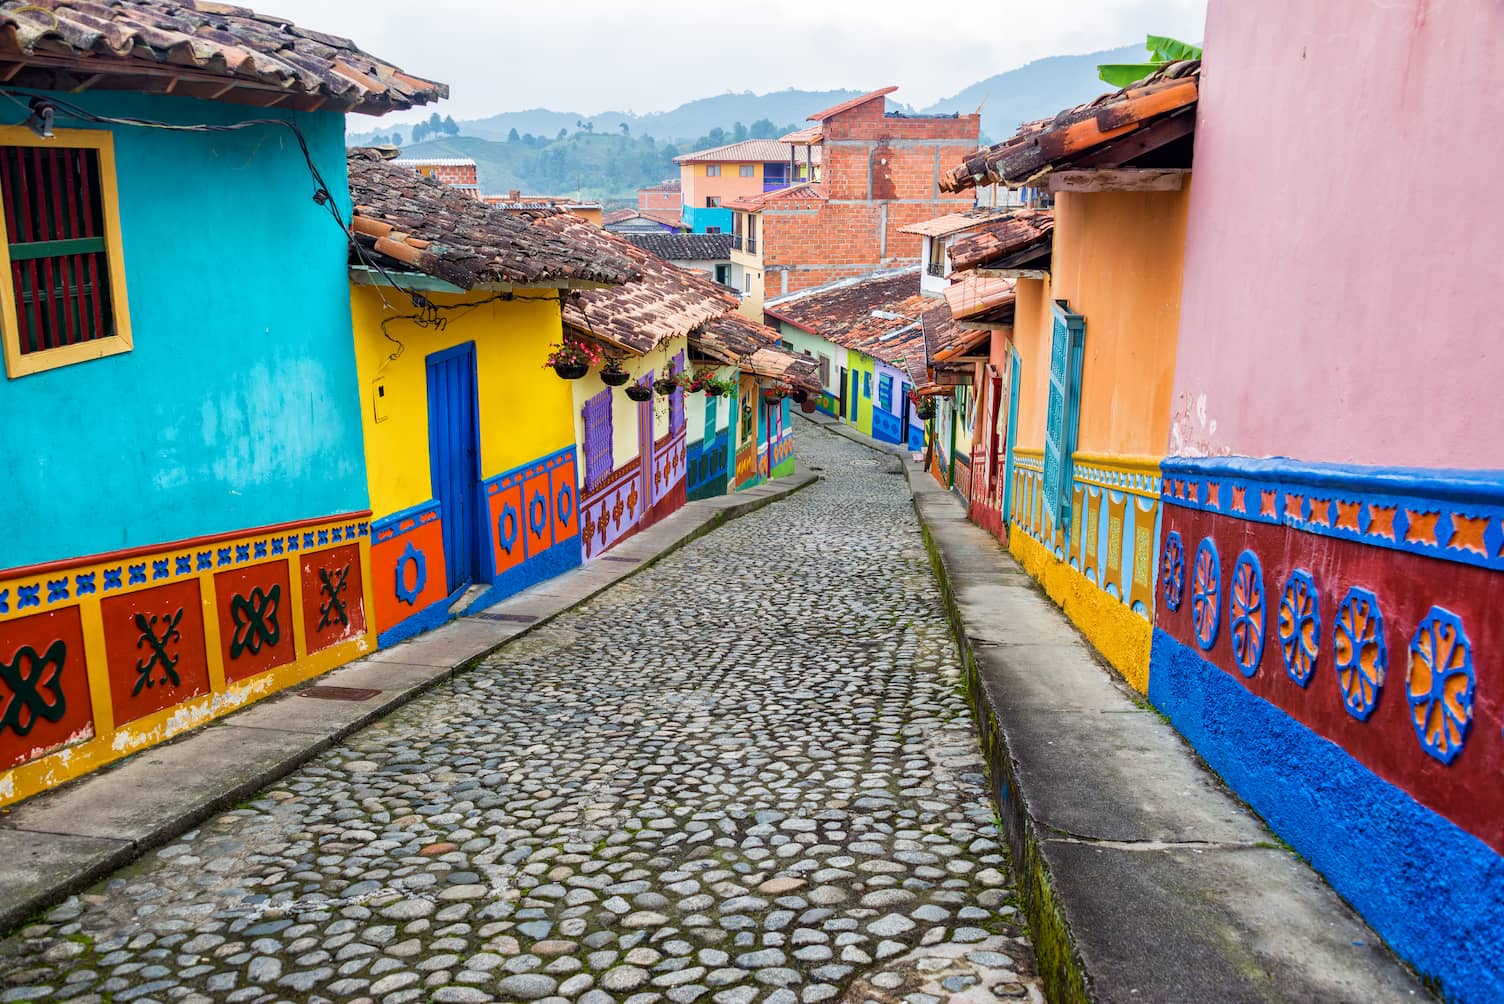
64,840
1142,877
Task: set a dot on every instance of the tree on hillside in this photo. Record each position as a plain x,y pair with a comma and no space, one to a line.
626,130
562,133
450,127
419,131
512,136
764,129
716,136
435,124
738,132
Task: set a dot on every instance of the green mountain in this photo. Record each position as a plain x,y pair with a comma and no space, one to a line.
609,156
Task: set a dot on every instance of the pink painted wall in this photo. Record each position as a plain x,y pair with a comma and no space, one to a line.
1344,281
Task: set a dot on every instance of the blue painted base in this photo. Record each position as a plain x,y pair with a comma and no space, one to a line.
1433,891
424,620
916,438
707,468
544,565
886,427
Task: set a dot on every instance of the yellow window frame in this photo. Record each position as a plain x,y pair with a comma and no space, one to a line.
17,364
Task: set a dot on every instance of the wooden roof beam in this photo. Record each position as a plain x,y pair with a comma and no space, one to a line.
1118,179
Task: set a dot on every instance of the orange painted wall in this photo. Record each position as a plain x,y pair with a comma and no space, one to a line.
1118,261
697,185
1031,336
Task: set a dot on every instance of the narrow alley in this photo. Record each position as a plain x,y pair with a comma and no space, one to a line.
770,790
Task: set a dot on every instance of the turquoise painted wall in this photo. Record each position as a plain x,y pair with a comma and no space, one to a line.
701,218
238,405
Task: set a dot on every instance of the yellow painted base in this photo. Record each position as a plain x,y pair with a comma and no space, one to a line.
1122,636
66,764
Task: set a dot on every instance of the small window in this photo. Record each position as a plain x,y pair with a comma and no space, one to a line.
65,299
746,282
712,230
885,392
712,170
824,371
867,384
747,170
712,202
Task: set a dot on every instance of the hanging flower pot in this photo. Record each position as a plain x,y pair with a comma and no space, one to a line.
807,406
572,358
613,375
711,391
801,395
571,371
665,387
925,411
639,393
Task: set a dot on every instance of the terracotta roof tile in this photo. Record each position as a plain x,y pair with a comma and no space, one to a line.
737,340
1019,231
669,301
975,297
954,223
803,191
1053,144
425,225
747,151
196,41
807,136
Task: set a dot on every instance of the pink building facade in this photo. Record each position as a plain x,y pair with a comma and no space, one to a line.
1329,631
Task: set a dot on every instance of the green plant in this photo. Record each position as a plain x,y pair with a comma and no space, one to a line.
1162,52
572,352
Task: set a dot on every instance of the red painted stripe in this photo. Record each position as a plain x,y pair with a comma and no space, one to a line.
22,571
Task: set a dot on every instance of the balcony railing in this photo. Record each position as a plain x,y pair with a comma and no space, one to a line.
774,184
736,242
751,245
937,269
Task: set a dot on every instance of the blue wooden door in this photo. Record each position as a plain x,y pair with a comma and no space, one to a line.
454,458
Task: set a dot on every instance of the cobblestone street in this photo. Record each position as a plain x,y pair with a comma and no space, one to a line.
767,790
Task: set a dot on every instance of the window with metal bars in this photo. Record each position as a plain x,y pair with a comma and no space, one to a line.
63,296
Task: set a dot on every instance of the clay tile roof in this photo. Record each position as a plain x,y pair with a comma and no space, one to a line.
954,223
940,334
973,296
142,44
846,106
684,247
747,151
739,341
807,136
1022,232
618,216
877,314
1053,144
669,301
804,190
412,222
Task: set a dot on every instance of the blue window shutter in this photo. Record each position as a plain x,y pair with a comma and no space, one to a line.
710,418
866,384
676,400
885,392
597,415
1067,347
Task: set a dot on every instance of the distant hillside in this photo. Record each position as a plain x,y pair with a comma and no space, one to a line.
1035,90
562,153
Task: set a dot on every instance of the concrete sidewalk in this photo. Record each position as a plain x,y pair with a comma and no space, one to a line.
1142,877
62,841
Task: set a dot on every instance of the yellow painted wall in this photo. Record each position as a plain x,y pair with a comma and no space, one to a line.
524,408
1118,260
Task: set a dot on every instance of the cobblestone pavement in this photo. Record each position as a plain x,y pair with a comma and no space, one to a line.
745,774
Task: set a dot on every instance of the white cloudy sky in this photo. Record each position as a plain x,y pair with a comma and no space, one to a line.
589,56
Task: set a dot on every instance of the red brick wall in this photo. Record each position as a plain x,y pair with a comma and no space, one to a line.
880,174
648,198
453,175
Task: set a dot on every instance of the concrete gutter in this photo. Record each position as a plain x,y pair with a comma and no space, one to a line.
64,840
1143,878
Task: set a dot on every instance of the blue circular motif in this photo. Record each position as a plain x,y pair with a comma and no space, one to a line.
419,563
1246,615
1206,594
1440,684
537,513
1359,653
1172,568
564,504
507,538
1300,626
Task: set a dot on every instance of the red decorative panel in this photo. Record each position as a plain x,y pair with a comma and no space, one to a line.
255,611
44,688
333,603
408,573
154,648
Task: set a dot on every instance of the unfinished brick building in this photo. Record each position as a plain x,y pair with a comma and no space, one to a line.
879,172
